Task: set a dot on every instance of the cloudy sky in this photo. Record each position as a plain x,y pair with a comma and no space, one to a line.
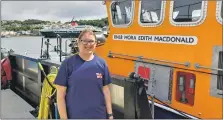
52,10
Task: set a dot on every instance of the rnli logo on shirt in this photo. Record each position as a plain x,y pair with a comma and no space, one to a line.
99,75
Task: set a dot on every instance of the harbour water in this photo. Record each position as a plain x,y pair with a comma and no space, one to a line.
31,45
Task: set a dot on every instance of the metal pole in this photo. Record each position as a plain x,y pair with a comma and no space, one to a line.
41,52
57,44
47,48
153,90
66,46
60,49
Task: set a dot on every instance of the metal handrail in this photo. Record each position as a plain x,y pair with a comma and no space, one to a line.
198,66
147,60
186,64
60,41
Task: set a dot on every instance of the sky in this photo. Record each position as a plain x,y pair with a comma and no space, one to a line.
52,10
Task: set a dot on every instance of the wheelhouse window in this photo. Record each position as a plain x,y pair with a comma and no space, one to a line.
122,12
151,11
221,10
187,10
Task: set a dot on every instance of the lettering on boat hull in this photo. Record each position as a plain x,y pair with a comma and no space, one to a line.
168,39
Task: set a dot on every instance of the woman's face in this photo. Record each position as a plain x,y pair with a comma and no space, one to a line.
87,43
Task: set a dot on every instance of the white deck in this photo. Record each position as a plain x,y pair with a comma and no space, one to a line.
13,106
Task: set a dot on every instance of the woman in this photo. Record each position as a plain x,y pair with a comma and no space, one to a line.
82,83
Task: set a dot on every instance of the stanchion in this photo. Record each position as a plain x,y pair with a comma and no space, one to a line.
136,105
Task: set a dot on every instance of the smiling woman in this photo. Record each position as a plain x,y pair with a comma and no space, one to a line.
82,83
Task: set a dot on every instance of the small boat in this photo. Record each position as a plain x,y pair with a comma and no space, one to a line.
66,33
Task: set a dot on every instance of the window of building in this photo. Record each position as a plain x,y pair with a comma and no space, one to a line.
188,11
151,12
122,12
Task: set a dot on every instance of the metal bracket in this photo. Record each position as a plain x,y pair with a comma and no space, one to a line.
139,59
110,54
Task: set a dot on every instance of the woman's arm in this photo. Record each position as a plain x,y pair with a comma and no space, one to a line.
108,102
61,93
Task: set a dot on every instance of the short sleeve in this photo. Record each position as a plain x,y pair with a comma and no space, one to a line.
62,75
107,76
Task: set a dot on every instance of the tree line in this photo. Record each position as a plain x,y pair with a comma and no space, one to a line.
32,24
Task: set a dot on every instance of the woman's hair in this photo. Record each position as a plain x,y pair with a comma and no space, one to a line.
84,32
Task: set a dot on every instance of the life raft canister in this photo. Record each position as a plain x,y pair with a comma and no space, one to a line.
6,73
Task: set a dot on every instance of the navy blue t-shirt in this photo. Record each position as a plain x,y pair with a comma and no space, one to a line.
84,81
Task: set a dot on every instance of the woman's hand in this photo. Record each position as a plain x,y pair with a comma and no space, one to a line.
111,117
108,102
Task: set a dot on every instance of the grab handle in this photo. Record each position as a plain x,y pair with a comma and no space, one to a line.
198,66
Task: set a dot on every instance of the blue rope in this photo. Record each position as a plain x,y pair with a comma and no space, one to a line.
56,111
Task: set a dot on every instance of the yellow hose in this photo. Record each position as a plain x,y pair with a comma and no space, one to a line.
46,94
